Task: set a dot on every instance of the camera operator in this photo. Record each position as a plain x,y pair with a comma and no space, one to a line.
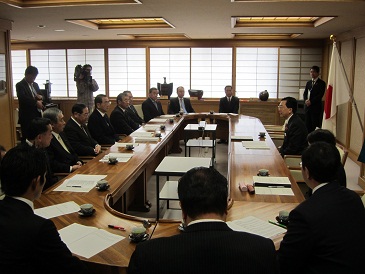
86,85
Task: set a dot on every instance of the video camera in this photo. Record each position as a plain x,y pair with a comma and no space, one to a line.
80,70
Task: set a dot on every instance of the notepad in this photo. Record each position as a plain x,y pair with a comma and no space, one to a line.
242,138
151,127
141,134
255,145
146,139
159,120
265,185
79,183
52,211
167,116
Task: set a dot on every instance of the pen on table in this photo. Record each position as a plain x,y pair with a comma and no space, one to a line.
117,227
276,186
73,186
275,223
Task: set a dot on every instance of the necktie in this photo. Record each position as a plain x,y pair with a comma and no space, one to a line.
33,90
229,99
83,128
182,105
155,103
313,82
62,143
106,119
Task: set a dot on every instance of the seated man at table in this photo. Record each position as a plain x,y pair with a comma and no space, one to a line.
99,124
180,103
62,157
132,110
295,135
78,134
29,243
120,119
207,245
39,136
229,103
151,107
325,231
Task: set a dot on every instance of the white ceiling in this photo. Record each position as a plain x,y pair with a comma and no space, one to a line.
198,19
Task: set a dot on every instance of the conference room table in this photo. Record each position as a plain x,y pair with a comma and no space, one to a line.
129,183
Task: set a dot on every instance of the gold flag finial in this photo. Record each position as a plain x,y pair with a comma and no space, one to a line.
333,38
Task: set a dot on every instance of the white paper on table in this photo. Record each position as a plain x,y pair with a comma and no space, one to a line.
256,226
245,138
123,145
167,116
255,145
52,211
141,134
274,191
80,183
146,139
151,127
159,120
271,181
87,241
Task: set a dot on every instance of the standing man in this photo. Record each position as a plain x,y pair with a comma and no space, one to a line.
30,99
62,157
99,124
132,110
313,93
122,123
78,134
207,245
151,107
229,103
29,243
295,135
180,103
318,240
86,85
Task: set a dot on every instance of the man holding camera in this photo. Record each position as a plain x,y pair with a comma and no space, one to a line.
86,85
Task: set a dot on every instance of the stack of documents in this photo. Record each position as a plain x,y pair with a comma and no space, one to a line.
146,139
243,138
255,145
141,134
117,145
151,127
121,157
159,120
256,226
80,183
265,185
87,241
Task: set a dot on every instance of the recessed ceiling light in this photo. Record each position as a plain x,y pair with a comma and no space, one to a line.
59,30
41,26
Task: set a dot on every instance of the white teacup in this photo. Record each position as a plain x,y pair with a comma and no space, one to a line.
87,208
263,172
102,184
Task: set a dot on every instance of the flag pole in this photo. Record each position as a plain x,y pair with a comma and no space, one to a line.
333,38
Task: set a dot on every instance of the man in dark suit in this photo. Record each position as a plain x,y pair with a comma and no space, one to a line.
313,93
62,157
30,99
132,110
229,103
207,245
324,231
39,136
120,119
180,103
29,243
78,134
99,124
295,135
151,107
